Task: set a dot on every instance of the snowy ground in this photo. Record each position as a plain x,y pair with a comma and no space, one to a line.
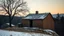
16,33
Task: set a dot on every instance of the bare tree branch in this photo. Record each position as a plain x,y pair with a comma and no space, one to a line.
11,7
4,8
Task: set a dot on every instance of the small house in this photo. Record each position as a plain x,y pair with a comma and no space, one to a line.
43,20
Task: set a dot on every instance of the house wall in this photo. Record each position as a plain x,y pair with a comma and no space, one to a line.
38,23
48,22
26,23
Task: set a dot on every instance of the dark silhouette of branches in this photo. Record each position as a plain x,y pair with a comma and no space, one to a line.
11,7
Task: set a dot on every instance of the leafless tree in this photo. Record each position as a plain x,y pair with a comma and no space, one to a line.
12,7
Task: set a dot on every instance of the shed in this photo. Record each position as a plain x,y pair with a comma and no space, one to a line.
43,20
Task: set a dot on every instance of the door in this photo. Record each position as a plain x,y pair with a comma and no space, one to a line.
31,23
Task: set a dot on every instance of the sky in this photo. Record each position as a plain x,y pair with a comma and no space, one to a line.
44,6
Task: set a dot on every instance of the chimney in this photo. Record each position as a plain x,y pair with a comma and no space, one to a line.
36,12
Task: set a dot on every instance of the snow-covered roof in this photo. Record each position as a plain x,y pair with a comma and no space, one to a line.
36,16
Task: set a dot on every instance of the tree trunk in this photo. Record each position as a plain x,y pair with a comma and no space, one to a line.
10,20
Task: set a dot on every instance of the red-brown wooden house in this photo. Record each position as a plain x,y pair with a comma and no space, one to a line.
43,20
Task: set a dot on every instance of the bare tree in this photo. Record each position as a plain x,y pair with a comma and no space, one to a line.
12,7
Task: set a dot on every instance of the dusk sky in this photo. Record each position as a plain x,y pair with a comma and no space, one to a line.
53,6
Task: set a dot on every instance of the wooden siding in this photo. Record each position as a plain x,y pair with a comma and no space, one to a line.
26,23
48,22
38,23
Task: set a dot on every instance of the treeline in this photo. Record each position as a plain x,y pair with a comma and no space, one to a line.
5,20
59,24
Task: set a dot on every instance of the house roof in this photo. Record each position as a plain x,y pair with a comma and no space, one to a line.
36,16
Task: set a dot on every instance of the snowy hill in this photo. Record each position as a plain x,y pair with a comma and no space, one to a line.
46,32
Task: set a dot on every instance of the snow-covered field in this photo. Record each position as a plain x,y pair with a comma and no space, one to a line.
16,33
9,33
